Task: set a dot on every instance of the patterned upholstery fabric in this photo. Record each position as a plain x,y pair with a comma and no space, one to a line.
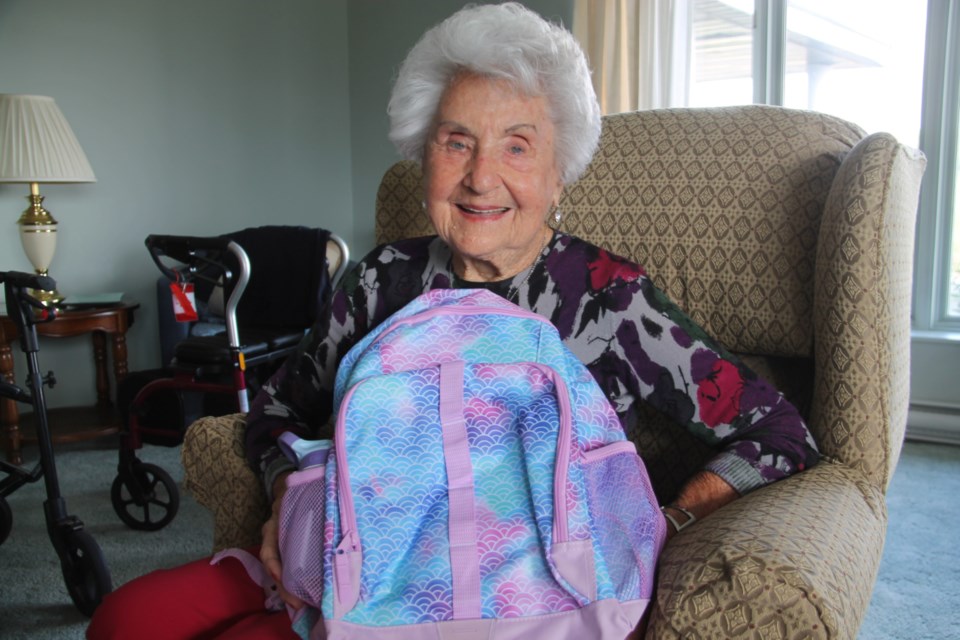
789,236
217,475
794,560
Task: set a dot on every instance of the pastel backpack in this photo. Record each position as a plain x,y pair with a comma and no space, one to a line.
479,485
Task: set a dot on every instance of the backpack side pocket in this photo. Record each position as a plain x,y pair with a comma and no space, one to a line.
629,528
303,529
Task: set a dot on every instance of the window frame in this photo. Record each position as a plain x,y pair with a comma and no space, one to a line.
769,51
939,142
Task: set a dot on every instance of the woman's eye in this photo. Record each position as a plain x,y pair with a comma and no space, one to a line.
518,148
456,145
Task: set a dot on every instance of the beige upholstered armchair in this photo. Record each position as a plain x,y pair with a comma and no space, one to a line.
789,236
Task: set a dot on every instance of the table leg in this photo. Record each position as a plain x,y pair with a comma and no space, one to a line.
100,360
119,357
9,413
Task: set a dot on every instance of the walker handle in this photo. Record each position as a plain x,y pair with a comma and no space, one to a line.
16,285
28,280
190,251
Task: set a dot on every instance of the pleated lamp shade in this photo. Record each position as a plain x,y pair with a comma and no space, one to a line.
37,144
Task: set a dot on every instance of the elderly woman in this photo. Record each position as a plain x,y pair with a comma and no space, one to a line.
498,106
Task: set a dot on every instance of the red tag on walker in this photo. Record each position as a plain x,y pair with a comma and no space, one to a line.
184,302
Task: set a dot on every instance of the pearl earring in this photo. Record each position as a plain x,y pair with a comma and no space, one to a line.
557,216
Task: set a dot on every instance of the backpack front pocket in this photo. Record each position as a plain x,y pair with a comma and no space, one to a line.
446,480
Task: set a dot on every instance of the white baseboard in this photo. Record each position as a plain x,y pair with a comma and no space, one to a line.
934,424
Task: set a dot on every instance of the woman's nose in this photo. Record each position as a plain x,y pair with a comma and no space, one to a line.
482,175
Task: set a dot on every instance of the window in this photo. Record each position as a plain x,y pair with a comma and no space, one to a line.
841,58
722,58
937,283
861,60
954,294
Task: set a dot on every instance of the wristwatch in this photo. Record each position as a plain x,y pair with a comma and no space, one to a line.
678,526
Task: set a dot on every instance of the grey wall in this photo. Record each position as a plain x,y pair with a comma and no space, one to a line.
198,116
934,399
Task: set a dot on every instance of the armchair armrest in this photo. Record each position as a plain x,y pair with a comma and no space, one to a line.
862,303
217,474
798,556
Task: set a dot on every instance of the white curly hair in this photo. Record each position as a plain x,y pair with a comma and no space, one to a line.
505,41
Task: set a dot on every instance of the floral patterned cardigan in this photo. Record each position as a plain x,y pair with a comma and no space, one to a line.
638,345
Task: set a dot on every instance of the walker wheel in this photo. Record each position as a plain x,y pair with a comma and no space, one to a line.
145,497
6,519
84,571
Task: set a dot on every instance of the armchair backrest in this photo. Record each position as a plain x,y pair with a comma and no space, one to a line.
787,234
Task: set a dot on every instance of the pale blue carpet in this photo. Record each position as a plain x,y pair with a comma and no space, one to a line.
917,596
33,599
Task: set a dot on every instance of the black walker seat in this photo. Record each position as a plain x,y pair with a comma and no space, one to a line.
273,281
81,560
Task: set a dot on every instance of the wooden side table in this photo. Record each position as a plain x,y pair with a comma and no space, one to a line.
69,424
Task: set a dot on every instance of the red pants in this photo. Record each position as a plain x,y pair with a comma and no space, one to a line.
196,600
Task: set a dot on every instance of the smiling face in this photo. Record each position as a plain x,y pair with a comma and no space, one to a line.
490,176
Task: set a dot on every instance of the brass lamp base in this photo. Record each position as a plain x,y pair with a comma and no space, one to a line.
47,298
38,234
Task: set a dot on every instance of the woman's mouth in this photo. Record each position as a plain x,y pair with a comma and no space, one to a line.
482,211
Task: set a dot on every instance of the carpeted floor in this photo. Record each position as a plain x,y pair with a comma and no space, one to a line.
916,597
34,602
917,594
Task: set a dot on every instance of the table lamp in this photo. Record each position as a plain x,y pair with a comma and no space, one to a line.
37,145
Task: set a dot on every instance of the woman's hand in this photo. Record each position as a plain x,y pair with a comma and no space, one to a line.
270,547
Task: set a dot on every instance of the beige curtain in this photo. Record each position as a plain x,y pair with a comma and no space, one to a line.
639,51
